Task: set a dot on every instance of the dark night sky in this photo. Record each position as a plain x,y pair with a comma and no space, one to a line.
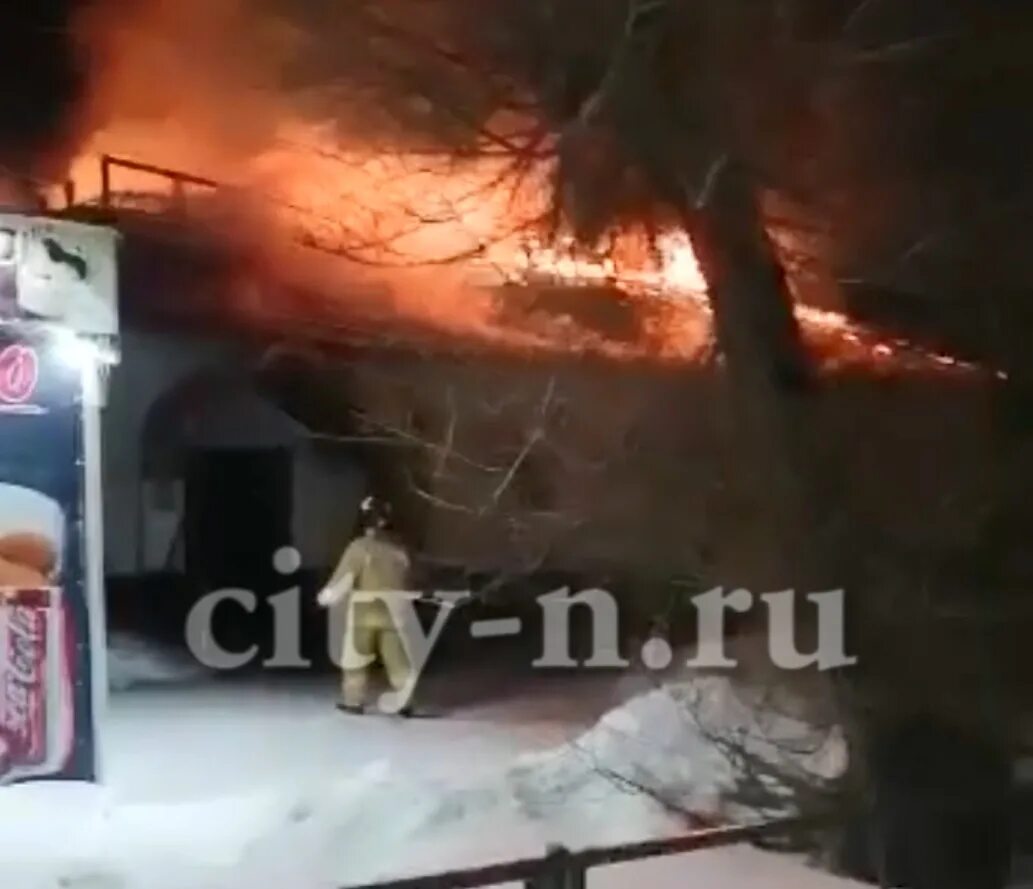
40,78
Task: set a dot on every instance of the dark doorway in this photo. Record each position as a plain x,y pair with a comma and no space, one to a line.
238,514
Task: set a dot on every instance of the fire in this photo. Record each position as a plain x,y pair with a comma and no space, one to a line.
404,234
439,230
672,269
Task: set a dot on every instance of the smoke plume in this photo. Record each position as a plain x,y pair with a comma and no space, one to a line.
41,80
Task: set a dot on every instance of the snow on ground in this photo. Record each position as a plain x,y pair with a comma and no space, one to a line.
133,661
739,867
262,785
669,743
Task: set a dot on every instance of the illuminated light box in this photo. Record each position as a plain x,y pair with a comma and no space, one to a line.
58,272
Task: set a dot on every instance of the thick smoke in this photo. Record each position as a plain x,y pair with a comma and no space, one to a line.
42,78
180,82
190,84
330,108
240,92
213,82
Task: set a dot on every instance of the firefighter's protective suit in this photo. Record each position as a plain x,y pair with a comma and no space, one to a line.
376,565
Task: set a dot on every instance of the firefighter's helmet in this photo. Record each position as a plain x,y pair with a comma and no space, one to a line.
375,513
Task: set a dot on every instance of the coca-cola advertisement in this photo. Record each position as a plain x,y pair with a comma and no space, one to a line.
46,726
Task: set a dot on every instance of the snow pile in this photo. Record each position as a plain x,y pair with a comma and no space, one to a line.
79,837
701,747
707,746
133,661
623,780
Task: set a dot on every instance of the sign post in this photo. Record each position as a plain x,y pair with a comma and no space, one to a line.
58,338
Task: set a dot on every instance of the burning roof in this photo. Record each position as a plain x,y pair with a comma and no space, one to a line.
411,242
262,262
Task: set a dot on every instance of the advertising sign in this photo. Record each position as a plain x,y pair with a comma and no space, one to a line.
46,706
58,272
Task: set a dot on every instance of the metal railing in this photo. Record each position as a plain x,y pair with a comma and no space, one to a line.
178,181
310,228
561,868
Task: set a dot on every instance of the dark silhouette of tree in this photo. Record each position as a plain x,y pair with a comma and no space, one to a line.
899,131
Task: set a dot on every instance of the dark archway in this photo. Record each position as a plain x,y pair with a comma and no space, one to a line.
227,453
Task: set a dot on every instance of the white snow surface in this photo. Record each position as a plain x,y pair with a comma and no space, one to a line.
234,787
684,745
133,661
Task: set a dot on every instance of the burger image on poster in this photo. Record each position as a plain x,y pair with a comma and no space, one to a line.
32,530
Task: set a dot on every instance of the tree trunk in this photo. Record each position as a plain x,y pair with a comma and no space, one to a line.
768,377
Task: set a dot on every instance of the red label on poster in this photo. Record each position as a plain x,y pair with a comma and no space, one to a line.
19,374
46,661
33,737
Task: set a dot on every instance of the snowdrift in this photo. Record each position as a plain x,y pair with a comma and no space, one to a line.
670,751
133,661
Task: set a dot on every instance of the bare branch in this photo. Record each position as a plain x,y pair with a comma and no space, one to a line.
433,499
408,436
855,17
532,440
714,172
450,435
537,434
903,50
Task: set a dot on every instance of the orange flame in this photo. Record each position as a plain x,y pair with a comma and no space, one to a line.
438,229
196,85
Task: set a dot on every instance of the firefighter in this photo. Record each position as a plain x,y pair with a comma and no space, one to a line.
377,563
